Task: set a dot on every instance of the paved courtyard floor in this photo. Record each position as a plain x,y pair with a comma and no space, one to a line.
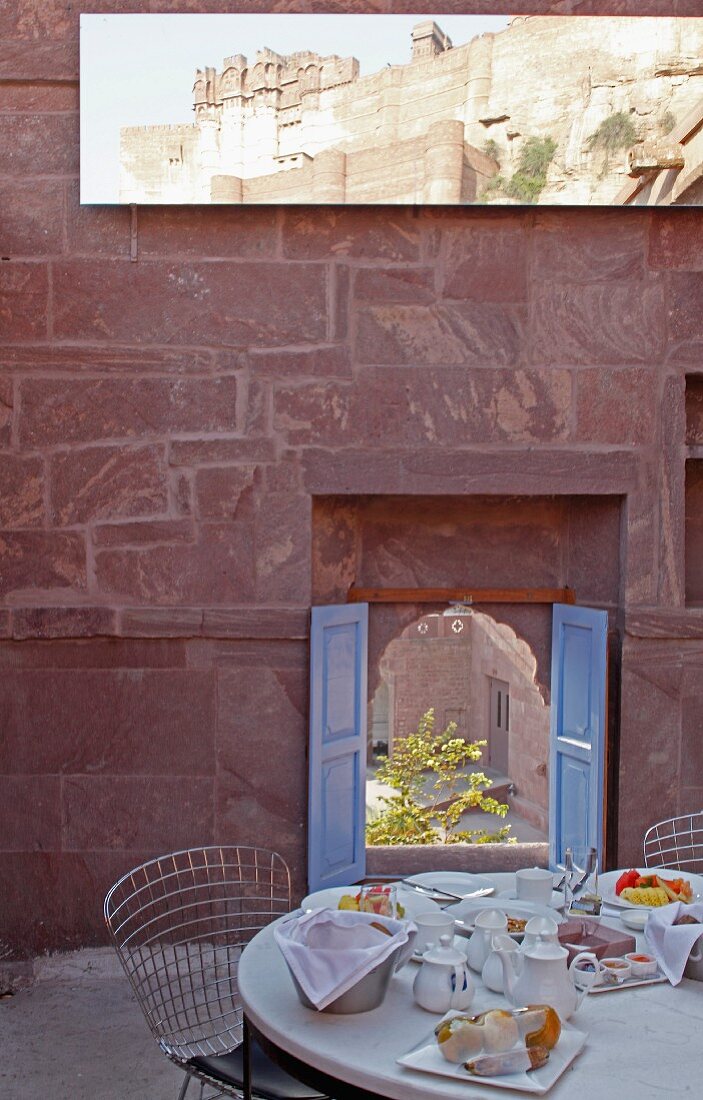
78,1034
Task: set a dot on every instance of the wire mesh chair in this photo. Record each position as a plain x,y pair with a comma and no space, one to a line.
676,842
179,925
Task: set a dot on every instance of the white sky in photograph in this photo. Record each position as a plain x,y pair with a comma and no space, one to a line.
138,70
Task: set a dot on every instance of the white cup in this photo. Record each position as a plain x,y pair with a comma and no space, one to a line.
430,926
534,884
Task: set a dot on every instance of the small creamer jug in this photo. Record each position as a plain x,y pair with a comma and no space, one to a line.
443,980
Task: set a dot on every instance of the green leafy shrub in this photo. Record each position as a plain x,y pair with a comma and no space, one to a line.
667,122
615,132
492,149
405,817
531,175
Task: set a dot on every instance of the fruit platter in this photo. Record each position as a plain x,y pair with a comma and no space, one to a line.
649,888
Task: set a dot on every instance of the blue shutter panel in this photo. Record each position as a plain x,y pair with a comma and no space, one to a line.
578,730
337,783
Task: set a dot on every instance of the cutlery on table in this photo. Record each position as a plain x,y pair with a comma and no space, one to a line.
430,891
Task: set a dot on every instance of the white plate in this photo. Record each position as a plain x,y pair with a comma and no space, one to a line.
455,882
465,912
607,881
556,901
414,904
428,1059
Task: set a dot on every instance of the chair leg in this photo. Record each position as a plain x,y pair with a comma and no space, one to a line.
184,1086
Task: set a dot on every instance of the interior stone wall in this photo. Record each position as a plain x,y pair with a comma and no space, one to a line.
167,420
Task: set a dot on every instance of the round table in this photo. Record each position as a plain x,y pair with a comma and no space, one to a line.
645,1042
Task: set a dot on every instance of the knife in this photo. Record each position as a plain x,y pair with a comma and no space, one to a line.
431,891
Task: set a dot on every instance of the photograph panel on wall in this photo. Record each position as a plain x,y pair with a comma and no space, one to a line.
397,109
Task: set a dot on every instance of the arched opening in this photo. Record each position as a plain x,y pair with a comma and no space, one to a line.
480,675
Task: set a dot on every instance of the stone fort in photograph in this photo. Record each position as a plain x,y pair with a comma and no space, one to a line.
549,110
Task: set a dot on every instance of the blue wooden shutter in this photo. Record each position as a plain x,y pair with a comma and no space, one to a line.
578,730
337,787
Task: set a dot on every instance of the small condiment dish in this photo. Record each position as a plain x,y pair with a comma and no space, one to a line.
619,967
641,965
635,919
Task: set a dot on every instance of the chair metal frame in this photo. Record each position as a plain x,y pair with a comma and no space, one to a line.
676,842
179,924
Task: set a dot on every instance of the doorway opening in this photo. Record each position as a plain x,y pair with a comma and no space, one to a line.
480,676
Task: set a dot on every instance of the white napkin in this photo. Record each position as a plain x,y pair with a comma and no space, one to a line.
671,945
330,950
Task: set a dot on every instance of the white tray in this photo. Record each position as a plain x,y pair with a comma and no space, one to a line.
629,983
428,1059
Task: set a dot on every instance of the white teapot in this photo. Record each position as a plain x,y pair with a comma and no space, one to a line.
443,980
488,923
542,977
540,929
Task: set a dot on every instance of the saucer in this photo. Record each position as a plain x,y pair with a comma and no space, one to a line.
556,902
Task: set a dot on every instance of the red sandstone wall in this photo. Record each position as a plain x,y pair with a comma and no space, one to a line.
166,423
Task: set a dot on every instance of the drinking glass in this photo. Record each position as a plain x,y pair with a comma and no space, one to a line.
379,898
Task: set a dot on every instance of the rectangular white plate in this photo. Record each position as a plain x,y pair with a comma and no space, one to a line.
429,1059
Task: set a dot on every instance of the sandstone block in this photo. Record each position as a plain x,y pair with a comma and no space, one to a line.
21,491
596,323
131,813
251,801
265,303
62,622
547,470
650,700
102,653
217,452
94,483
393,406
40,60
355,470
323,233
96,230
39,97
471,334
692,733
24,295
32,218
222,490
30,813
88,358
70,411
686,306
219,569
401,284
36,560
675,240
6,410
37,144
256,622
145,533
338,328
616,406
161,622
152,722
589,246
486,263
201,231
283,537
332,361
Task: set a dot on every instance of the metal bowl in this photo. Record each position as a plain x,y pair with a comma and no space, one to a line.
367,994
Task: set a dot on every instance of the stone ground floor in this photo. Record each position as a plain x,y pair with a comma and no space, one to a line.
77,1033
